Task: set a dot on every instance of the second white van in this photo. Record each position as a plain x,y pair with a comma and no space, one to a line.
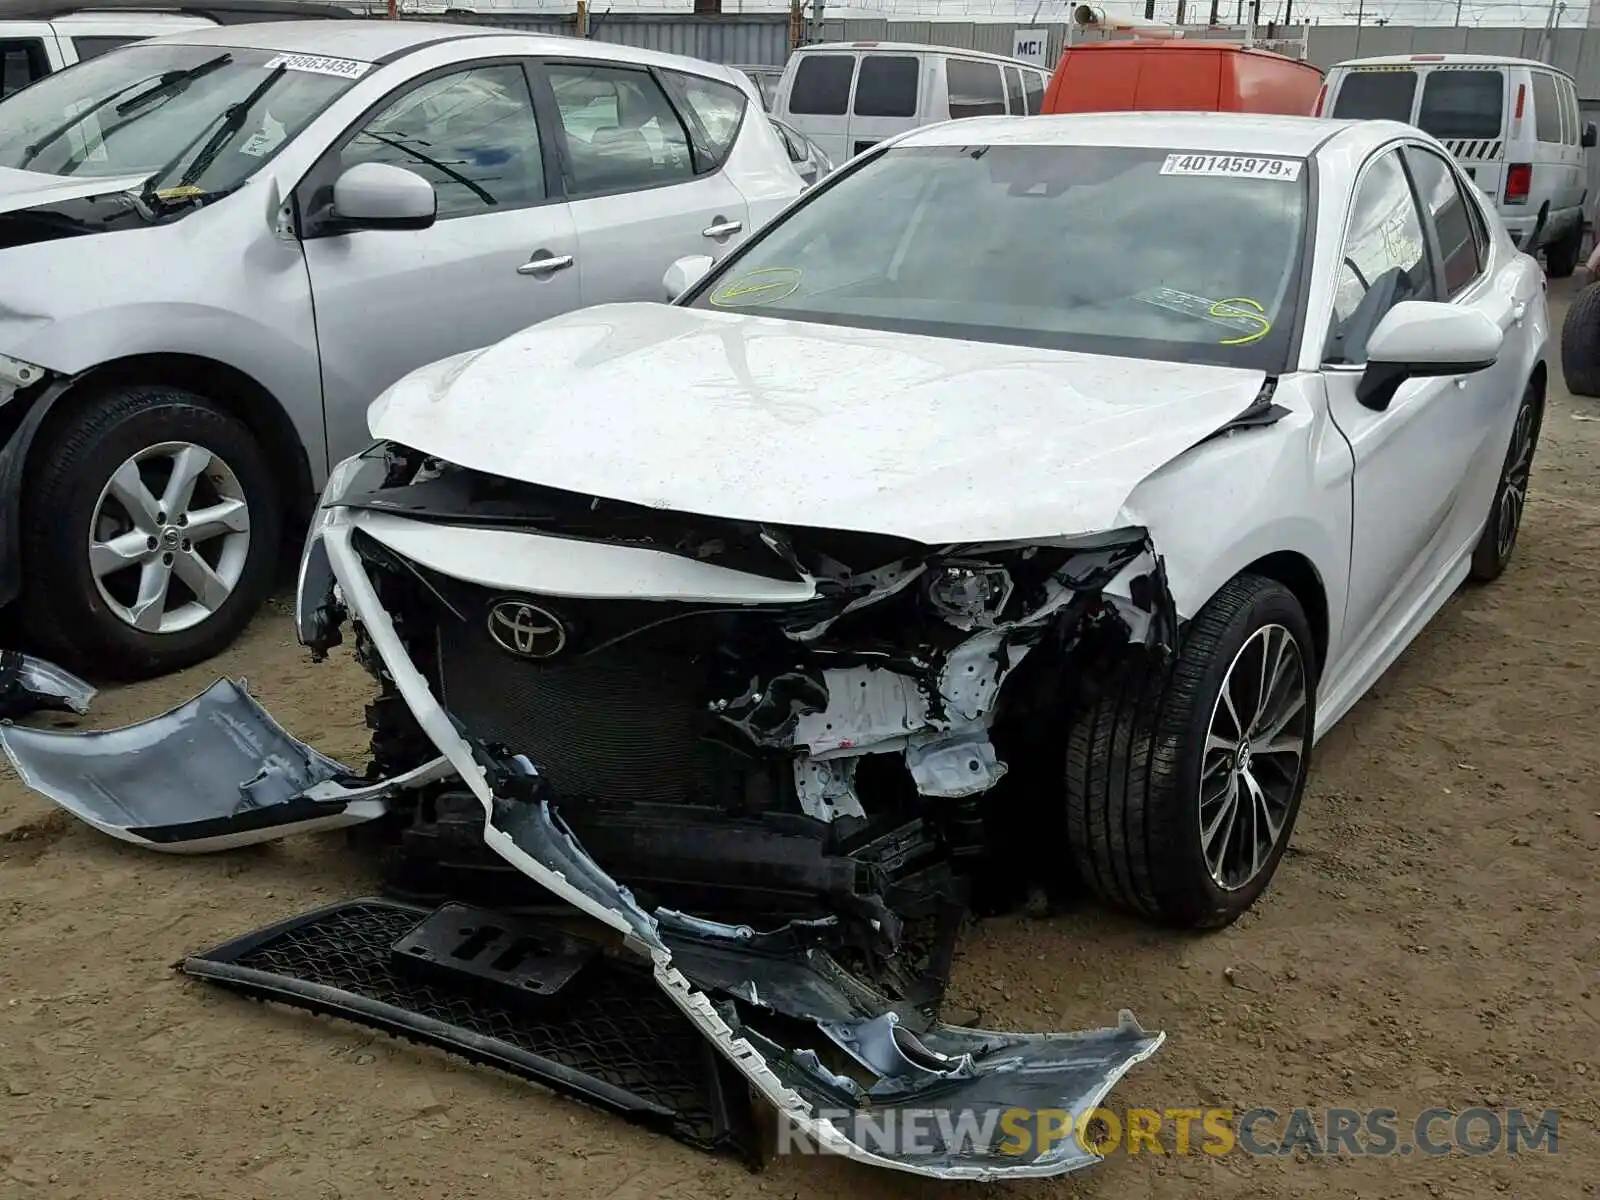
846,96
1512,123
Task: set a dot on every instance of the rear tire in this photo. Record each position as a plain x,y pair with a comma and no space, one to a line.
1499,539
1561,258
1580,343
1149,781
113,584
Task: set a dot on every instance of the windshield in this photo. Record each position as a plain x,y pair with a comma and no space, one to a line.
193,120
1159,254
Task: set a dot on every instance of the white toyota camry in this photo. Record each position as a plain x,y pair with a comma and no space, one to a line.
1122,452
1021,504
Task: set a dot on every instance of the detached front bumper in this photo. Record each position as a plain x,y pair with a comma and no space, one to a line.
727,980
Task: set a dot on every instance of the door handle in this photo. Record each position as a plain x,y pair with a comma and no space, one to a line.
547,265
722,228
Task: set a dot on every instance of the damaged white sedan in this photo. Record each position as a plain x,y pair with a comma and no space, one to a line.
1019,507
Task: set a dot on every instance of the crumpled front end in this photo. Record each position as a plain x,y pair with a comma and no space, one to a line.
662,715
691,730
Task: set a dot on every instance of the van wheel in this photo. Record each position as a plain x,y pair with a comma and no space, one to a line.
1580,343
1561,258
150,532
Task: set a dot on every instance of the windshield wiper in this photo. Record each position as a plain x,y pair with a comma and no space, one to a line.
171,81
232,121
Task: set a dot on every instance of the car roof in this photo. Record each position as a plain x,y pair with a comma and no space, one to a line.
916,48
385,41
1206,132
223,12
1446,60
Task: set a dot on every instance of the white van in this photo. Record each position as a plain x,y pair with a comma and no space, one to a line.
845,96
40,37
1512,124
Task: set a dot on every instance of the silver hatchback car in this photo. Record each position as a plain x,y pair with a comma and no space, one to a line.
217,247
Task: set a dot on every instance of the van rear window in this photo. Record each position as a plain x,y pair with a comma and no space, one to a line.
1376,96
1463,104
822,85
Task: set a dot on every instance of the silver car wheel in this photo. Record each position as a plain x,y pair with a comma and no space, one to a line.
1250,768
169,537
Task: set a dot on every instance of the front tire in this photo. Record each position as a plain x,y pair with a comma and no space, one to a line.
1183,781
151,526
1499,538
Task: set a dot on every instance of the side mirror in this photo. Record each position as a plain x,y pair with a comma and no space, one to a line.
1590,135
383,196
685,273
1424,339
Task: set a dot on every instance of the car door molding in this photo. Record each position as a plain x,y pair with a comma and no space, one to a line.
317,174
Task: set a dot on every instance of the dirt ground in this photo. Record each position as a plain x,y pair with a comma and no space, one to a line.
1433,939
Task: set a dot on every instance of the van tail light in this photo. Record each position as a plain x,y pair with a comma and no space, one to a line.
1322,96
1522,97
1519,179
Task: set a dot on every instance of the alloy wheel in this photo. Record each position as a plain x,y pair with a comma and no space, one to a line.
1514,486
169,537
1255,744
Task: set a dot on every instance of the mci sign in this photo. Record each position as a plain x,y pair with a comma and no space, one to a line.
1031,46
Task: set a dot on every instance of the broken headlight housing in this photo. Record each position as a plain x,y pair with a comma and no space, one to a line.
970,595
16,375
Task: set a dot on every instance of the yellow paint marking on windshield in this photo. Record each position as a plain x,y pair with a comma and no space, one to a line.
761,286
1245,309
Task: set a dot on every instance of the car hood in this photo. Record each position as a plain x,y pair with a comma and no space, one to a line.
789,423
28,189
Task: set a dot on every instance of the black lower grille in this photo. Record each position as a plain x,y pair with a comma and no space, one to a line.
622,713
611,1036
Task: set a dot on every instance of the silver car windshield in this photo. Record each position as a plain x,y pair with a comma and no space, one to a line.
192,120
1165,254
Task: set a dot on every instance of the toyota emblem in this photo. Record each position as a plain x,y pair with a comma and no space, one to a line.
526,630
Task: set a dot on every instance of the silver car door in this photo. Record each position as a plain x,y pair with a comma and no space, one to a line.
502,254
645,187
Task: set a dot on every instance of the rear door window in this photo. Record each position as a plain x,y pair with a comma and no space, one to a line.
975,88
1014,100
1546,114
1467,104
94,47
822,85
1376,96
887,86
1033,84
22,61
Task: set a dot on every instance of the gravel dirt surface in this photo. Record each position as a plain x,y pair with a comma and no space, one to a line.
1433,939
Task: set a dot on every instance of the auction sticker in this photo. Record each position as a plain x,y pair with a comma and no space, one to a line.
316,64
1233,166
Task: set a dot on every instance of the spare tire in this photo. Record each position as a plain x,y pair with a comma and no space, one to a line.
1580,343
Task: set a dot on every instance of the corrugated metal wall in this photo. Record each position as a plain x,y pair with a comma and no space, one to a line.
764,38
756,39
750,40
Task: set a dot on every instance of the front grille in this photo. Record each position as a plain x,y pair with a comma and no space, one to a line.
622,713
